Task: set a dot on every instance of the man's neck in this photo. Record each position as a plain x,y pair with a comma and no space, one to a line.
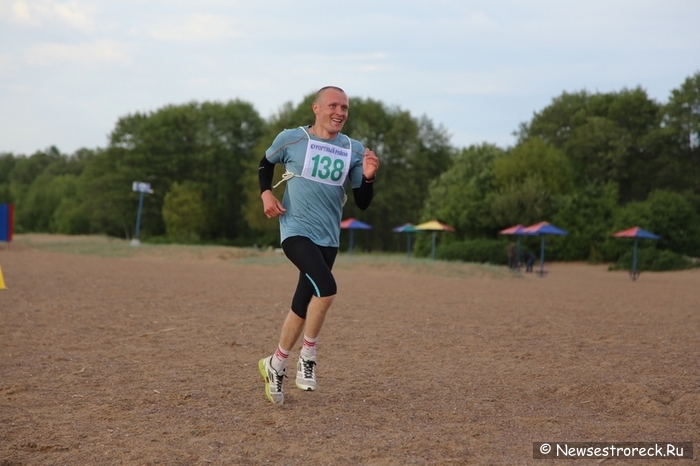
321,133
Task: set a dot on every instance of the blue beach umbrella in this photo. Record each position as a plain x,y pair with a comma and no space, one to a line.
409,229
542,229
352,225
636,233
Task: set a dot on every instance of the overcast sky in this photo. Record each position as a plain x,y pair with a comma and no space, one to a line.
70,69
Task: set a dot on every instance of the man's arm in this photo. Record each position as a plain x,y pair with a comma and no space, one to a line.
266,171
271,205
364,194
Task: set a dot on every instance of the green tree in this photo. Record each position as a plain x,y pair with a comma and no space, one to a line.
676,142
107,199
527,202
683,112
673,217
7,162
524,181
535,159
70,218
39,183
459,195
599,150
587,216
36,211
665,213
207,143
184,213
605,136
554,123
24,171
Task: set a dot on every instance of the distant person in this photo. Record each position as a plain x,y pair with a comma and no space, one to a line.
511,255
319,161
529,260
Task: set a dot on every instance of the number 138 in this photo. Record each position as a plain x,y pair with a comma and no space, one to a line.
324,171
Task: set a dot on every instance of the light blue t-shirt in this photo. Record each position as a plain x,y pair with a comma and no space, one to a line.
313,209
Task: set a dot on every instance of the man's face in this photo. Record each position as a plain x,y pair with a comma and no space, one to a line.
331,110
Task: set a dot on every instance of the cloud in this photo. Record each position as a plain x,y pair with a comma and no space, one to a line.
98,52
198,28
42,13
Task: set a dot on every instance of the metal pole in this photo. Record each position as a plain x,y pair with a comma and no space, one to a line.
433,249
542,256
138,216
634,258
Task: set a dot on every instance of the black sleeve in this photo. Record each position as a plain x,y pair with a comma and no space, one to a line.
364,194
266,170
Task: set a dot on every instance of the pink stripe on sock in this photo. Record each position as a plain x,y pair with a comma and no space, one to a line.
309,344
279,354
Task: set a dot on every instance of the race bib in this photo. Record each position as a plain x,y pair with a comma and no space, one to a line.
326,163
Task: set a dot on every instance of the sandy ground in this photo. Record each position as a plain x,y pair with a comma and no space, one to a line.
114,356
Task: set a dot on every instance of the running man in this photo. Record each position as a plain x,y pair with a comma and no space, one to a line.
318,159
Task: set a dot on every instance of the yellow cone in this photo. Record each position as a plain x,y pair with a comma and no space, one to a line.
2,281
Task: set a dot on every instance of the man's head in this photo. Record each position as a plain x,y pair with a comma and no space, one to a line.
331,109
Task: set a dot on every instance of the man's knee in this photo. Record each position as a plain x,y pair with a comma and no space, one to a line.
321,303
324,286
324,301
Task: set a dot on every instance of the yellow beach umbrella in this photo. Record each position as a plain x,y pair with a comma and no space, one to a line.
434,226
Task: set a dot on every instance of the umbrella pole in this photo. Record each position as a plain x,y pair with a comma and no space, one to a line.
408,245
634,260
518,256
542,256
433,248
352,240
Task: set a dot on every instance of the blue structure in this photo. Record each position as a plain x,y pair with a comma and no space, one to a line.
352,225
636,233
409,229
141,188
6,222
542,229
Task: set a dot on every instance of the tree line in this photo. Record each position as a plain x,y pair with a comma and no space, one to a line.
590,163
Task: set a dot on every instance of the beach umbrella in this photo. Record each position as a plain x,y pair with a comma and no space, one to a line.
433,226
352,225
636,233
409,229
542,229
519,231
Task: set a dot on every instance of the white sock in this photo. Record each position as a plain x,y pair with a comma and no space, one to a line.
279,359
308,348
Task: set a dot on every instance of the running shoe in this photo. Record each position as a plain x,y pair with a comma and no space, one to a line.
306,374
273,381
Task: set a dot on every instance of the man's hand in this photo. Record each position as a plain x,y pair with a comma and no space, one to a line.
370,164
271,205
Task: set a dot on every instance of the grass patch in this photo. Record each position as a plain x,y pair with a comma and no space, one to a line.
399,262
103,246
